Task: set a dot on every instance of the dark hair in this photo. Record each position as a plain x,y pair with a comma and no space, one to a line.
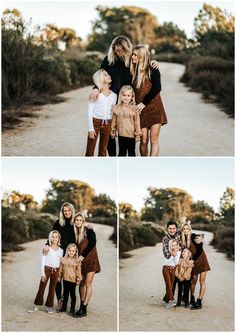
171,222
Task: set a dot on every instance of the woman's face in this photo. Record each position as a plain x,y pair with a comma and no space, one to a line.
126,97
119,51
72,251
134,57
106,77
186,230
67,212
79,221
55,238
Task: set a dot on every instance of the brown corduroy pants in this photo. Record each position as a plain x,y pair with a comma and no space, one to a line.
52,274
102,129
169,277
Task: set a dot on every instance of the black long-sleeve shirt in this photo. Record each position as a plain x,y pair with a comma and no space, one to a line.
199,247
67,233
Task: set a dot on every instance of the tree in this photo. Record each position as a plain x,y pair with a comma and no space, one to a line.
19,200
227,203
136,23
76,192
126,211
102,205
201,212
163,204
170,38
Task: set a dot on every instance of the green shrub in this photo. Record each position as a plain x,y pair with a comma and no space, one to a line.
223,240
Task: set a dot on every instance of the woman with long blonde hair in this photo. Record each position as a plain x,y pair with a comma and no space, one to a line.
88,256
146,82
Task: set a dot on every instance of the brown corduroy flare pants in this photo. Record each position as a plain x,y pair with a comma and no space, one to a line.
102,127
169,277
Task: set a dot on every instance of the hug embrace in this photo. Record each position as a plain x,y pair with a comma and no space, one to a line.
70,255
184,262
126,102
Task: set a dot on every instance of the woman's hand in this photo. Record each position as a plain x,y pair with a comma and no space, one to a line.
94,95
89,226
43,278
198,239
139,107
92,134
81,258
45,250
154,64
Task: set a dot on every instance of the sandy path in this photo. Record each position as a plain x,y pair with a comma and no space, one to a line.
20,279
195,128
142,289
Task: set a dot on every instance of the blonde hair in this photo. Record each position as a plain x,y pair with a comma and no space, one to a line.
69,247
122,91
125,44
98,78
62,220
171,244
189,253
186,240
79,232
50,237
141,70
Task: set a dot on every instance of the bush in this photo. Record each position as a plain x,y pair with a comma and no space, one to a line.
223,240
133,235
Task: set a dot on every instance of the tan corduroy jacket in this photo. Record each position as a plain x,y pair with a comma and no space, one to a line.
183,269
70,270
126,122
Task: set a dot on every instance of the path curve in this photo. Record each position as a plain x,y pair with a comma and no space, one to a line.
195,128
142,289
20,278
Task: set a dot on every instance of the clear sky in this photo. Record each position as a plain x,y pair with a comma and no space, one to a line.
31,175
79,14
203,178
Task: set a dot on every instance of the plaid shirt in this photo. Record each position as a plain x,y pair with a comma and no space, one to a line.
165,243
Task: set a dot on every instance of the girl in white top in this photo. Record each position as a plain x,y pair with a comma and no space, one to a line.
126,122
49,270
168,271
100,114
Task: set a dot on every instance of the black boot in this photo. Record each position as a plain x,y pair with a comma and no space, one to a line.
198,305
192,301
72,309
63,308
82,312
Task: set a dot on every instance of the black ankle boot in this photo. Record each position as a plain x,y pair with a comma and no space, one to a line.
82,312
63,309
192,301
198,305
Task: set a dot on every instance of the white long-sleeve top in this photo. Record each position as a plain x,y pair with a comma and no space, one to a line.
172,261
101,108
52,259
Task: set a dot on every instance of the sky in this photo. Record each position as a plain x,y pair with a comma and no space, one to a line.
78,15
203,178
31,175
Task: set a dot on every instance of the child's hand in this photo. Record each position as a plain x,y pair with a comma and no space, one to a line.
45,250
94,95
43,278
137,138
113,134
92,134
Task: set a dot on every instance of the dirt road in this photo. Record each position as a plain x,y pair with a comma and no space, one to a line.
195,128
142,289
20,278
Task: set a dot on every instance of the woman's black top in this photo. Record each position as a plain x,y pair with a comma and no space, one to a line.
91,236
67,233
156,86
120,74
199,247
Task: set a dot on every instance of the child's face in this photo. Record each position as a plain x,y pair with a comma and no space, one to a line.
127,97
72,251
79,221
106,77
55,238
175,246
185,254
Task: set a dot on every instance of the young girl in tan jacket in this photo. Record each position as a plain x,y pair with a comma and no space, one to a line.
70,271
183,272
126,122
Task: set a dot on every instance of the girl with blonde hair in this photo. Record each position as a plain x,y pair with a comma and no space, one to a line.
126,122
116,63
100,114
88,256
70,271
49,271
147,86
